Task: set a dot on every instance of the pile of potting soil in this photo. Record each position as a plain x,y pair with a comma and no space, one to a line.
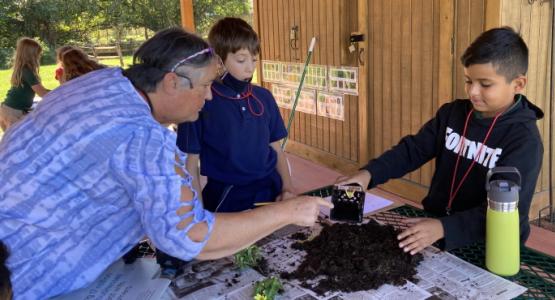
353,258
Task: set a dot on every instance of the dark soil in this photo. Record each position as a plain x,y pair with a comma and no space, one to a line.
354,258
262,267
299,236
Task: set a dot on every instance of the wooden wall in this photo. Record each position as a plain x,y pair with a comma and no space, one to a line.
410,67
534,22
469,23
410,70
319,138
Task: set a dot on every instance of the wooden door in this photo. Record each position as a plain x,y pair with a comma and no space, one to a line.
410,75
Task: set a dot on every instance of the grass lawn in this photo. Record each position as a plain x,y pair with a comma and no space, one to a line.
47,76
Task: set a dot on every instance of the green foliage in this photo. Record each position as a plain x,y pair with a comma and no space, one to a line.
207,12
62,22
267,289
248,257
156,14
8,24
6,55
55,21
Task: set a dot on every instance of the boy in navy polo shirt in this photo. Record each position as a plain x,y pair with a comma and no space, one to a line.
237,134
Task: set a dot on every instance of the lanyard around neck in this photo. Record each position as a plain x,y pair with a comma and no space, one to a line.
453,192
246,95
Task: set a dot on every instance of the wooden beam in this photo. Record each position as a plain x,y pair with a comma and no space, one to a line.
256,25
363,108
187,15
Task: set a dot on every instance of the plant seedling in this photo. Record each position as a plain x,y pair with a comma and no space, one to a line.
248,257
267,289
348,203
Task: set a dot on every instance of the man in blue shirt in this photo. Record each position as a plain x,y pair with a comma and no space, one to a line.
93,170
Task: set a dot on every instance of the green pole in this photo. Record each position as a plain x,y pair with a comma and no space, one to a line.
292,114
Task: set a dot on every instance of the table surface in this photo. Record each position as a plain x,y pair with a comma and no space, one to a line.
537,270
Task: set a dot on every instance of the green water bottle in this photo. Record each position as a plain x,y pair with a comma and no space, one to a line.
502,223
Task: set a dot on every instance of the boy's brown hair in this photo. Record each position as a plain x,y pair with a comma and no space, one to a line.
229,35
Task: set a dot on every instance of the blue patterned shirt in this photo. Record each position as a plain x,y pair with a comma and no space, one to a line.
85,177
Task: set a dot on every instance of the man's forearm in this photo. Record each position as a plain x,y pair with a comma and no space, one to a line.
235,231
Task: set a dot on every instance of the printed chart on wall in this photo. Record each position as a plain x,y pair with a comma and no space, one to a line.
283,96
331,106
291,73
344,80
271,71
307,101
316,77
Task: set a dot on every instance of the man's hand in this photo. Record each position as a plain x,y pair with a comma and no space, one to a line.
285,195
363,178
422,233
304,210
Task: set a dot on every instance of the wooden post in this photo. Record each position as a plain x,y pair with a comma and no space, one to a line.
118,50
256,25
364,109
94,52
187,15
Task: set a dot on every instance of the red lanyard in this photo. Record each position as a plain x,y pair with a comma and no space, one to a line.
452,193
247,96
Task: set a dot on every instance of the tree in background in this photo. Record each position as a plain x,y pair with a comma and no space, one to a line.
159,14
156,14
60,22
207,12
53,21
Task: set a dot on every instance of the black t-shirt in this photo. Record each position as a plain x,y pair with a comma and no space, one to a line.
21,97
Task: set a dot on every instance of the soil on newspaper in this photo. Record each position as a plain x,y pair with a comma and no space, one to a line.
353,258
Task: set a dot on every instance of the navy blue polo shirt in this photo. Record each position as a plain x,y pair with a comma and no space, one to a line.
233,142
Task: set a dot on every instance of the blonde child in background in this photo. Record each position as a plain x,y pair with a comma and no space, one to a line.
25,83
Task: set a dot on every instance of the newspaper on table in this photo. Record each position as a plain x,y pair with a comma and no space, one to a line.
136,281
441,276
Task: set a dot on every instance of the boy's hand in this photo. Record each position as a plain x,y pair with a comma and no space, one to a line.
363,178
422,233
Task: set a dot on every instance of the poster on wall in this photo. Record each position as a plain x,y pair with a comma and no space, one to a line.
283,95
307,101
330,106
291,73
344,80
271,71
316,77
